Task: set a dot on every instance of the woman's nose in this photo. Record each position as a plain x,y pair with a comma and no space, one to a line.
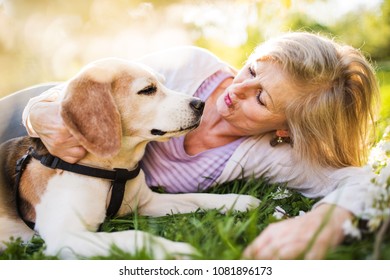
244,89
240,90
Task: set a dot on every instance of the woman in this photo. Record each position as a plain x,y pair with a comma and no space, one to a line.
299,111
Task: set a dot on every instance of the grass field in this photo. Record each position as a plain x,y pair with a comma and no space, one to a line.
218,236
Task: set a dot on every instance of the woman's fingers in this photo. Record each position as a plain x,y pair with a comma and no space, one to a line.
46,121
309,236
70,154
258,249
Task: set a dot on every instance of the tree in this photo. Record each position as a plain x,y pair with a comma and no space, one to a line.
368,30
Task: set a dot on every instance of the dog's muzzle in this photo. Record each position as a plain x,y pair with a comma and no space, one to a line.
197,106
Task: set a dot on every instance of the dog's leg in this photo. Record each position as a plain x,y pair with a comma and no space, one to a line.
85,244
68,215
150,203
162,204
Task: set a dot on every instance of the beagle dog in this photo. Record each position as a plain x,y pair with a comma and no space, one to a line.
113,108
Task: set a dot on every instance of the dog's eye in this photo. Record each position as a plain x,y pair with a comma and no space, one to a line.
148,90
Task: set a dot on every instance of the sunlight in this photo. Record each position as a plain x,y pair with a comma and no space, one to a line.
49,40
221,22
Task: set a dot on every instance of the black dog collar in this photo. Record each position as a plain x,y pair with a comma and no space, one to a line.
118,176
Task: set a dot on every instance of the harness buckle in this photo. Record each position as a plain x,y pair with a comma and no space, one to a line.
121,175
21,162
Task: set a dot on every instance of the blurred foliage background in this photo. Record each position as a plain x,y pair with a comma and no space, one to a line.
49,40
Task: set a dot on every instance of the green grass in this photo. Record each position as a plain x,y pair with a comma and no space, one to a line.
216,236
384,80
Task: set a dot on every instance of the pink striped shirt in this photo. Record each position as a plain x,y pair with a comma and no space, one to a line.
166,164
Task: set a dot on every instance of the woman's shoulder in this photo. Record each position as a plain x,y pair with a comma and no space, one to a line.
184,67
186,51
179,57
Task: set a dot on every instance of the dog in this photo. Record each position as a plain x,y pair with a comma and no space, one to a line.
113,107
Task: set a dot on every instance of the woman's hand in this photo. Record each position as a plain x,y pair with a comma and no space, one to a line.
301,237
46,121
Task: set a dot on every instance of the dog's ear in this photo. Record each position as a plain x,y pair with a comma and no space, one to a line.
91,115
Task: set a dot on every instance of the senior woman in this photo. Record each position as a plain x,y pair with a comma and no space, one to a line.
299,111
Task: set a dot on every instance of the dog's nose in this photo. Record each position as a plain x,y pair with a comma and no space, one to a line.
197,105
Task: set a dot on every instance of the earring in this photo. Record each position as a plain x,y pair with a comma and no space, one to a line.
279,140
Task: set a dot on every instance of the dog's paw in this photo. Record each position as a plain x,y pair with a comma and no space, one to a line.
239,202
173,249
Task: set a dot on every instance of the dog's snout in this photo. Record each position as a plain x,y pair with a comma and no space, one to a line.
197,105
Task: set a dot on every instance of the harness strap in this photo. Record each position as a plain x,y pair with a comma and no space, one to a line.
21,164
118,176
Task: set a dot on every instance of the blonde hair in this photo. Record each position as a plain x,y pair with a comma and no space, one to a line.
338,95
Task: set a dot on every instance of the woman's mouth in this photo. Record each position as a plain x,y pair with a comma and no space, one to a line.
228,101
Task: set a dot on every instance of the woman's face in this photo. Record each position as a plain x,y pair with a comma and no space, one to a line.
256,100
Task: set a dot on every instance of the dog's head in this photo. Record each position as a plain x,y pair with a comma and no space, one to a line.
113,98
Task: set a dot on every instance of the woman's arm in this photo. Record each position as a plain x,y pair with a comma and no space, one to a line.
41,118
344,191
11,108
53,132
346,187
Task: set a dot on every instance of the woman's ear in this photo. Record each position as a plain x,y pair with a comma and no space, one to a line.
91,115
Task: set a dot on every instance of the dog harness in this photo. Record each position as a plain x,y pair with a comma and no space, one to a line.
118,176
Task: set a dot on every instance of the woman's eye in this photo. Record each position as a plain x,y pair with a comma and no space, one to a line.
251,72
259,98
148,90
